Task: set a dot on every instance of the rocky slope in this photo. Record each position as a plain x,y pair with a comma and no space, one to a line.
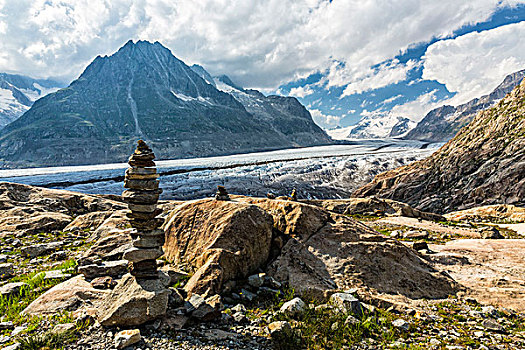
143,91
368,285
483,164
18,93
441,124
286,115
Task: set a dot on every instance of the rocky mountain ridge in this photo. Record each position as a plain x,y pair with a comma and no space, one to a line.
286,115
442,123
483,164
18,93
143,91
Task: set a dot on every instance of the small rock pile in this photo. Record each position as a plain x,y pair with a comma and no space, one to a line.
222,194
142,195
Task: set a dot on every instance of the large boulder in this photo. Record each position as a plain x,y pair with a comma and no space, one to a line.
66,296
19,221
27,209
325,252
220,240
89,221
134,302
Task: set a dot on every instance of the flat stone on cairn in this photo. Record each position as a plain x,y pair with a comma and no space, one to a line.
142,194
222,194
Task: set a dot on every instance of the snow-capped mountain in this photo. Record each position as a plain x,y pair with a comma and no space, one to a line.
374,127
18,93
144,92
441,124
285,115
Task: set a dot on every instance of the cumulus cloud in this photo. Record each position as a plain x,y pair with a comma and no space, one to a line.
362,80
415,110
301,91
325,121
259,43
474,64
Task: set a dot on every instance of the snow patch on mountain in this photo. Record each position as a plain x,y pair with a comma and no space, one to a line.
18,93
374,127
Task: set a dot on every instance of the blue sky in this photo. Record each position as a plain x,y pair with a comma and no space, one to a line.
343,59
347,109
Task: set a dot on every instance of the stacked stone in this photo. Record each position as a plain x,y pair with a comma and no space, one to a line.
142,195
222,194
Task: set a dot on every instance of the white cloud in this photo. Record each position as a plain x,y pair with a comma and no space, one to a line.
369,79
301,91
415,110
259,43
325,121
391,99
475,63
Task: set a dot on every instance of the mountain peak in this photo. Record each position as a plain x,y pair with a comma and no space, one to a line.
143,91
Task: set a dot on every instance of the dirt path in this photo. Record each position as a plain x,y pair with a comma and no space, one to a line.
493,270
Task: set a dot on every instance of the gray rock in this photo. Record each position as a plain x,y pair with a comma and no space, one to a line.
493,326
18,330
218,334
173,273
206,312
257,280
401,324
351,320
293,308
12,288
247,295
133,302
6,325
64,327
280,330
415,234
3,258
138,254
490,233
272,282
194,302
347,302
239,308
106,268
56,275
32,251
127,338
6,271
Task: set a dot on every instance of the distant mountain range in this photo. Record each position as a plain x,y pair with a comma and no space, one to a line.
483,164
18,93
143,91
441,124
438,125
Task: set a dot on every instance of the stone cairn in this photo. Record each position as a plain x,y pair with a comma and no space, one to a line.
222,194
142,194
